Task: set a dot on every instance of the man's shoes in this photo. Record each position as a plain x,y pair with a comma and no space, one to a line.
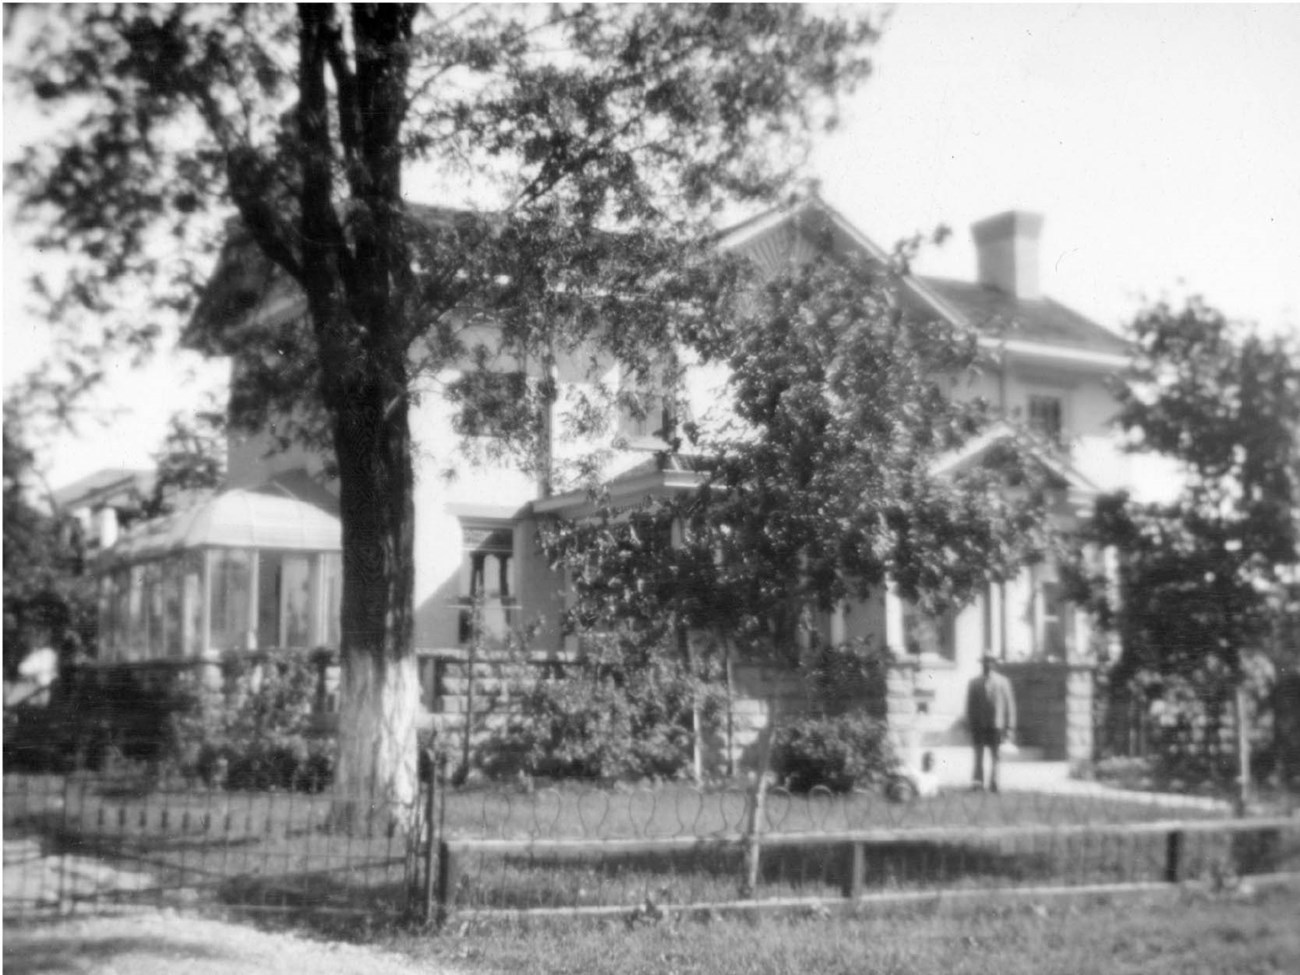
977,787
993,787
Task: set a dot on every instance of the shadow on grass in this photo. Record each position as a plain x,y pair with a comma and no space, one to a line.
27,952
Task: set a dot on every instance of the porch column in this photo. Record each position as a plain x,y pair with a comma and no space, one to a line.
895,638
900,710
1114,595
838,625
900,686
1079,685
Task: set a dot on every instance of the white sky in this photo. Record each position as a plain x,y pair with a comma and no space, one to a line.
1162,144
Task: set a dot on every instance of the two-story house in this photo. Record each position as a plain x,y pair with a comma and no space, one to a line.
258,566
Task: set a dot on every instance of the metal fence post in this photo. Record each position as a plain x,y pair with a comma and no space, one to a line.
857,867
1174,856
447,880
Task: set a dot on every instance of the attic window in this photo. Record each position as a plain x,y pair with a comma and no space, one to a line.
1046,417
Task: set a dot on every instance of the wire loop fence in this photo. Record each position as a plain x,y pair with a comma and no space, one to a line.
675,846
94,840
81,840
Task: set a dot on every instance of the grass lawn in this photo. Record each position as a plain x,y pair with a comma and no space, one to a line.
1175,933
677,809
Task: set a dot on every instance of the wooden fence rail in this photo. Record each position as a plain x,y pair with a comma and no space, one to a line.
453,852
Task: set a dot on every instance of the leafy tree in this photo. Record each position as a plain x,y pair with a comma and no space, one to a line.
568,123
47,598
820,484
1199,573
1202,577
191,458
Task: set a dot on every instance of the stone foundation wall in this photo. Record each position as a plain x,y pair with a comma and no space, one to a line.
1054,702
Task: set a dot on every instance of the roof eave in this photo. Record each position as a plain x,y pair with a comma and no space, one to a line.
576,504
1091,359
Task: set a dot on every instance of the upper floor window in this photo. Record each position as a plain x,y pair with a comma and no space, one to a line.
927,635
491,404
644,416
1047,417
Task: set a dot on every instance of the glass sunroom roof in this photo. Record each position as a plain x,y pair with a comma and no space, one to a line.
289,513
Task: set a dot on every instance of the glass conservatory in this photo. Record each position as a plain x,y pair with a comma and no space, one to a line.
247,569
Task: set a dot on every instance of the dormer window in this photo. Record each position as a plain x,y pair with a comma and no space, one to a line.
1047,418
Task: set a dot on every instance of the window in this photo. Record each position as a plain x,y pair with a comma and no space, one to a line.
172,585
108,609
1053,611
331,568
231,583
1046,417
491,404
929,635
487,584
193,596
644,416
646,411
284,590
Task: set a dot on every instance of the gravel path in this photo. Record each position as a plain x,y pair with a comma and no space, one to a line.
163,943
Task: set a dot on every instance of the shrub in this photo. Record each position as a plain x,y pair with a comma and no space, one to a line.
256,732
623,711
1193,723
839,752
95,714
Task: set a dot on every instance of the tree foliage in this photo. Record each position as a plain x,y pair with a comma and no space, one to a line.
47,599
313,124
821,484
190,459
1200,575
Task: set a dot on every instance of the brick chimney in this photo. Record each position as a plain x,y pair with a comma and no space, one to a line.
1008,252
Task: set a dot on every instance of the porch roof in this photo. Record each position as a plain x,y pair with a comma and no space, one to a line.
288,513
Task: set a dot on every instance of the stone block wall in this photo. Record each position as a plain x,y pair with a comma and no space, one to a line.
1054,703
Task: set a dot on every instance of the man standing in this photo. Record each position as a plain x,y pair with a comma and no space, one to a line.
991,715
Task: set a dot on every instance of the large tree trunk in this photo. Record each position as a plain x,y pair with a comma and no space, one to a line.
353,283
377,761
376,772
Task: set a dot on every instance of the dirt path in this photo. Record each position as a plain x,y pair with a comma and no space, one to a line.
163,943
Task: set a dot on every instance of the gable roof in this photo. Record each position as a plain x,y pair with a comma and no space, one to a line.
106,486
793,232
1033,320
246,288
1079,491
